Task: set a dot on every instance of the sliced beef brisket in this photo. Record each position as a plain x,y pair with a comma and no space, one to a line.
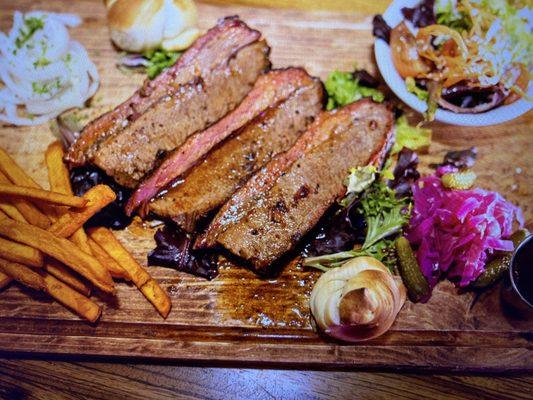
209,184
212,76
269,91
283,201
130,154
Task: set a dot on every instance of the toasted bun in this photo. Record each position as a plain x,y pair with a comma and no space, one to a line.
139,25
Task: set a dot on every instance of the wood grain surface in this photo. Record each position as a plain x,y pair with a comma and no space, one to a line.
238,317
52,379
345,6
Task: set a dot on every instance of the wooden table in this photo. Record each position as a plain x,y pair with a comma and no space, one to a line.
73,377
49,379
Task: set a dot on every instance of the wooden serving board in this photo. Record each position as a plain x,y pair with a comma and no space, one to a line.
238,317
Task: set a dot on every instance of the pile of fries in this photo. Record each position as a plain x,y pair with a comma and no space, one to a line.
44,246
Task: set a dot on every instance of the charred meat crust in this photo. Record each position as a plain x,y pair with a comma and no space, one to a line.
230,30
269,90
209,184
269,219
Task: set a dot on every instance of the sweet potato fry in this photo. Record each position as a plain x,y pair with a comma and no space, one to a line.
57,289
4,280
32,214
29,212
71,299
46,196
157,296
20,253
10,211
80,239
139,276
107,240
107,261
18,177
58,175
59,179
61,249
97,198
55,268
13,171
22,274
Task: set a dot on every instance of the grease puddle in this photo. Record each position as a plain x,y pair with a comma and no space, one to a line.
244,298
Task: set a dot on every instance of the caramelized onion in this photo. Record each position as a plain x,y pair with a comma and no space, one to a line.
405,54
358,301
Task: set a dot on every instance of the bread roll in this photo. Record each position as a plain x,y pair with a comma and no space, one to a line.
140,25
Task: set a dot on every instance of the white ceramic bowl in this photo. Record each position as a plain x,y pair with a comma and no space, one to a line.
393,16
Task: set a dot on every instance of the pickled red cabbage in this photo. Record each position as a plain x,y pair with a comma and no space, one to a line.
456,231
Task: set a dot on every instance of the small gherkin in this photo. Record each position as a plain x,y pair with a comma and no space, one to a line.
459,180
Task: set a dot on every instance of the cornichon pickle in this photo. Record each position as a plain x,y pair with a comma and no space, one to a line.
493,271
496,268
459,180
416,284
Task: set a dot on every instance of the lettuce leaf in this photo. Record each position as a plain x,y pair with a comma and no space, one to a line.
360,178
343,88
412,137
411,87
447,14
385,216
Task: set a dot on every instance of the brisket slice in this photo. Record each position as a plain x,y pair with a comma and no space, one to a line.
209,184
208,52
276,212
269,90
131,153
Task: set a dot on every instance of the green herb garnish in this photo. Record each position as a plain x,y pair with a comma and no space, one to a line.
159,60
46,87
384,213
385,216
31,25
41,62
344,89
39,88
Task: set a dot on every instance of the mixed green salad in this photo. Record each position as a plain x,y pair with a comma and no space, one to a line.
466,56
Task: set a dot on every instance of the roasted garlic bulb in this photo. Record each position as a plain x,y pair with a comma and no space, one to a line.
357,301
